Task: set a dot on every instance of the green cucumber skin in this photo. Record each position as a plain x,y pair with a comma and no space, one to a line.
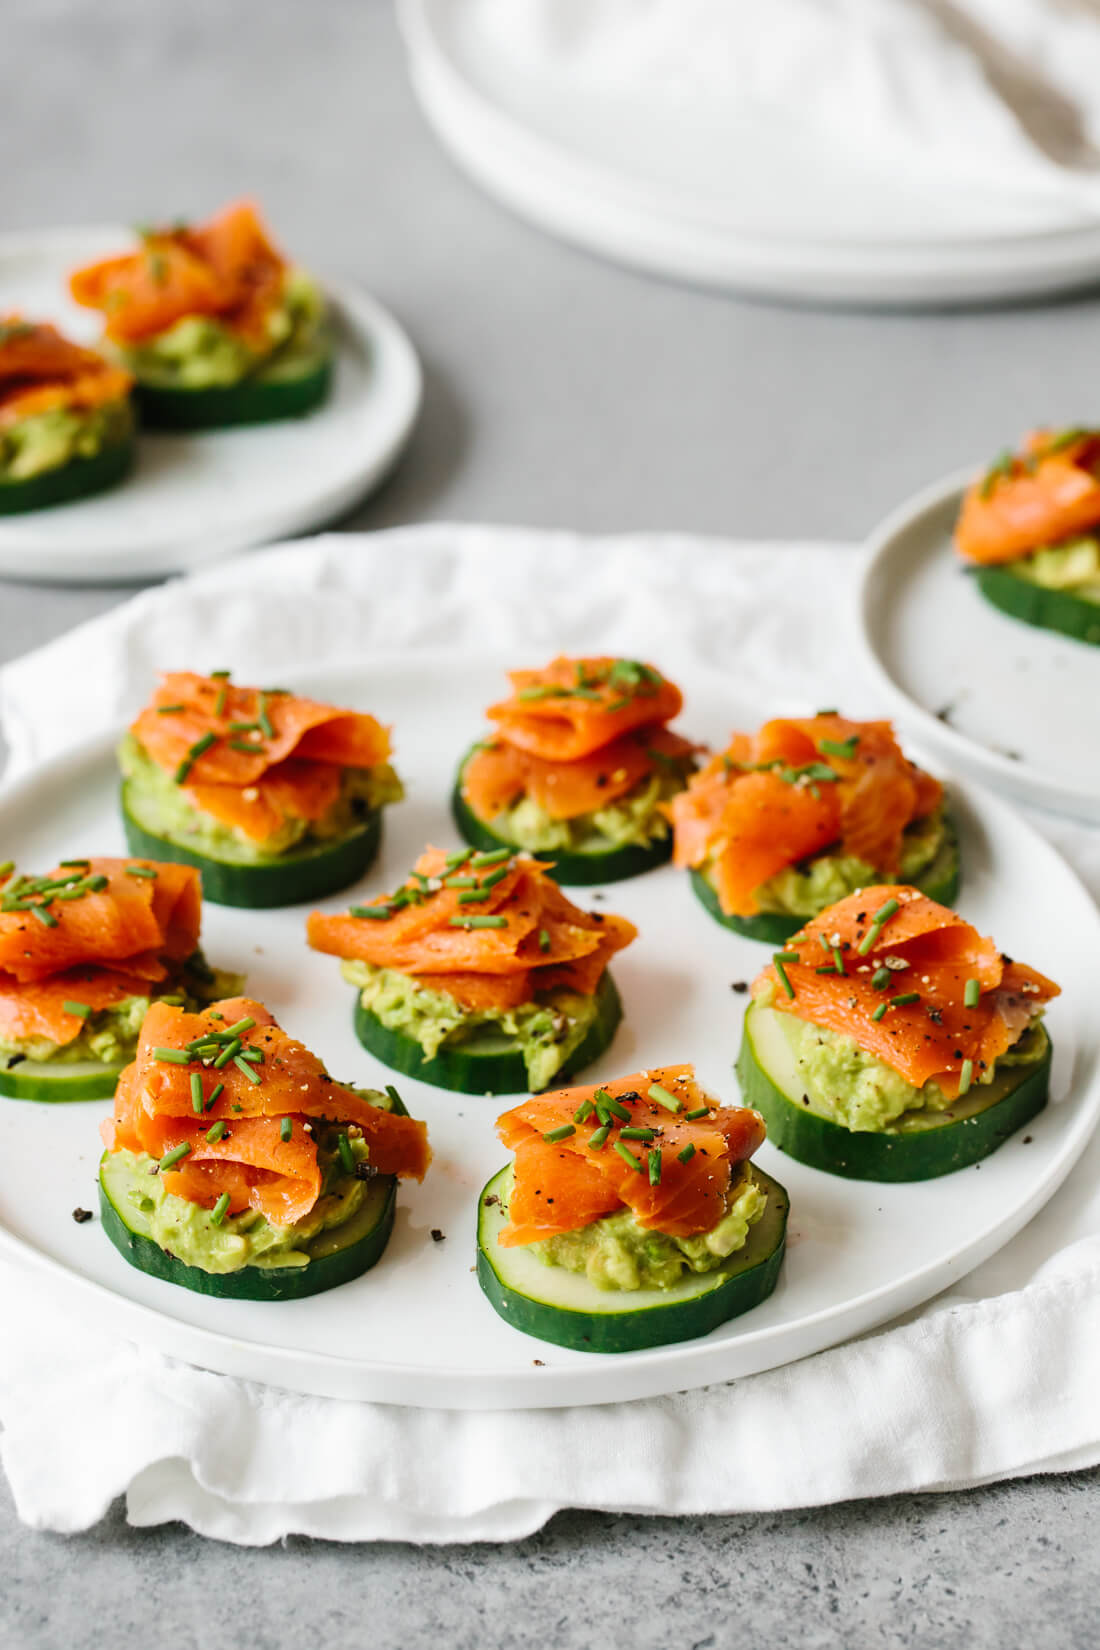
857,1155
251,1283
79,478
465,1073
291,880
940,882
252,401
626,1331
1047,609
87,1086
571,870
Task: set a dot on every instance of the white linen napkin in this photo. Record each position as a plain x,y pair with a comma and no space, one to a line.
993,1380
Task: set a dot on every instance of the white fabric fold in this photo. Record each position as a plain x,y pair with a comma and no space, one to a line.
994,1380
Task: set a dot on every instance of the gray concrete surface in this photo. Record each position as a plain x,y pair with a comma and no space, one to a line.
560,391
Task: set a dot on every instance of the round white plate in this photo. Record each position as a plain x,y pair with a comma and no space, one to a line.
192,498
1008,703
776,212
417,1329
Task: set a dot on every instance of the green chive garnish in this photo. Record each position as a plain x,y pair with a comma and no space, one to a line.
881,978
966,1076
220,675
783,975
175,1155
264,719
215,1094
229,1052
838,959
347,1156
627,1155
878,922
473,896
904,998
244,749
141,871
598,1140
243,1065
96,884
219,703
554,1135
479,922
700,1111
286,1129
972,992
459,857
196,1093
496,857
616,1109
654,1161
174,1056
170,710
46,918
374,913
880,1011
197,749
242,1025
687,1154
393,1094
244,727
216,1130
218,1212
840,747
544,940
664,1098
584,1111
81,1010
638,1134
460,882
76,864
494,877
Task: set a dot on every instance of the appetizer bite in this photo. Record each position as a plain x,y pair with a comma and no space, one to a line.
213,322
893,1042
274,798
84,951
478,974
236,1166
790,819
578,768
1030,530
631,1216
66,423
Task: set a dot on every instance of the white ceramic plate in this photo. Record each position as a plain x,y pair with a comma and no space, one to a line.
193,497
1005,701
776,212
417,1329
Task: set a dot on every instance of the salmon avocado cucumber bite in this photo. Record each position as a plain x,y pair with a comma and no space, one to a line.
479,974
236,1166
274,798
788,820
631,1216
84,951
215,325
578,768
1029,530
890,1041
66,422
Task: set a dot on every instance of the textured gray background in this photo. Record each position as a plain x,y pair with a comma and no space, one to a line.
559,392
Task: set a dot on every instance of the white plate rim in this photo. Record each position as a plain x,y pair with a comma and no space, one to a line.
661,1370
1017,779
395,371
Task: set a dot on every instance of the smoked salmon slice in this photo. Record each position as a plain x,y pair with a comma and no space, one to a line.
252,758
227,269
261,1161
568,1173
796,788
40,370
91,933
576,706
499,773
520,934
921,989
1049,492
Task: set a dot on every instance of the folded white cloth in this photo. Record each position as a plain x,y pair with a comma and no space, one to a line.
994,1380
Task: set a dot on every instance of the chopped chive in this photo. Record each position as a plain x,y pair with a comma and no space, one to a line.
783,975
286,1129
170,710
552,1136
473,896
243,1065
878,922
219,702
255,1056
699,1111
687,1154
638,1134
825,968
141,871
617,1109
830,710
76,864
264,719
218,1212
219,675
494,877
627,1155
838,959
216,1130
81,1010
664,1098
175,1155
602,1113
213,1097
71,893
374,913
479,922
654,1162
244,727
584,1111
544,940
196,750
46,918
242,1025
966,1076
598,1140
460,882
172,1002
880,1011
347,1156
393,1094
904,999
458,857
845,748
196,1093
881,978
228,1053
972,992
495,857
617,704
96,884
242,747
174,1056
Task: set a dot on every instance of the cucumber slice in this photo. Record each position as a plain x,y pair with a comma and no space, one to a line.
56,1080
79,478
261,399
488,1062
572,870
556,1305
336,1256
940,881
287,879
921,1147
1057,610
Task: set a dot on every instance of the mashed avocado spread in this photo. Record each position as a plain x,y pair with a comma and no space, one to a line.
1073,566
616,1252
160,806
545,1032
634,818
201,352
48,440
843,1083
